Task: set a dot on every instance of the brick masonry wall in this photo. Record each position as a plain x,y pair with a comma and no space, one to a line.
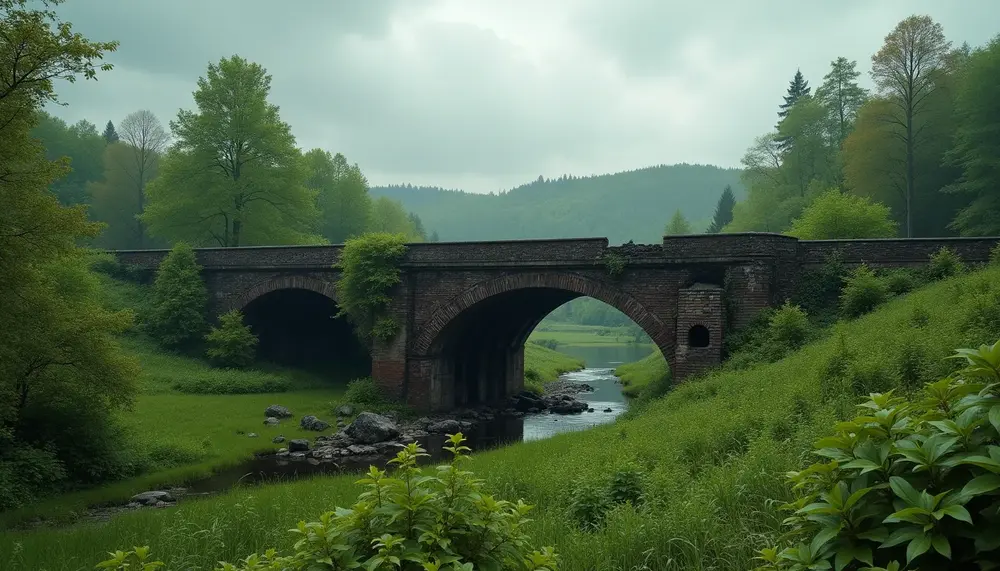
894,252
698,305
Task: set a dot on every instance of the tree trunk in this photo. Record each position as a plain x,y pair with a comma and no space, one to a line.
237,226
909,173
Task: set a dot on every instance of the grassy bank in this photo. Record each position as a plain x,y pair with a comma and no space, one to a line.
543,365
712,454
643,375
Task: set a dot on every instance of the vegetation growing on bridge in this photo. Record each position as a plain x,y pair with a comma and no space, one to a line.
370,270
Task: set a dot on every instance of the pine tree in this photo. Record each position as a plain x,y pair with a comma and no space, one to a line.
678,225
797,88
177,316
110,134
723,211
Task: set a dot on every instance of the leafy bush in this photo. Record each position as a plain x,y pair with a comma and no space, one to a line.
789,327
107,264
863,291
370,270
906,481
365,392
232,382
944,263
817,291
900,281
231,344
177,316
614,263
589,502
835,215
413,521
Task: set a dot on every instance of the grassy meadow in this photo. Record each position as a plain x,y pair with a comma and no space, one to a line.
191,419
712,454
641,375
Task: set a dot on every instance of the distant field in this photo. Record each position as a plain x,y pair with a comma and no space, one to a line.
584,335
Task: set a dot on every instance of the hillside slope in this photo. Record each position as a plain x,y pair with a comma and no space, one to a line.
633,205
711,454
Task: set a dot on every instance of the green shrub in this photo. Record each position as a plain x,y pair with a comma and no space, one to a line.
900,281
911,363
370,270
231,344
365,392
908,483
817,291
863,291
944,263
177,314
789,327
408,521
614,263
588,505
626,485
232,382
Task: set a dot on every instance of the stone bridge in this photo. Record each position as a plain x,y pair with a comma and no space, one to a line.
466,308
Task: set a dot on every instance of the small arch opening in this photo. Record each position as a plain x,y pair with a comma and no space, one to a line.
699,336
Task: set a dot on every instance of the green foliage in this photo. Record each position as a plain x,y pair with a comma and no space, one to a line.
900,281
817,291
590,501
176,316
995,255
547,343
912,481
413,521
615,262
365,392
723,211
543,365
789,327
137,559
389,217
256,193
944,263
863,291
836,215
342,195
975,148
370,270
224,382
231,344
678,225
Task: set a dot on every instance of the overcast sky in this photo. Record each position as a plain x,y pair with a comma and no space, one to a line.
486,94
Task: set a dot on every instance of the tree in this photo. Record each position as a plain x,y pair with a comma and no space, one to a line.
231,344
342,195
146,139
418,227
678,225
837,216
83,148
177,313
905,70
808,157
61,372
723,211
110,134
434,237
797,87
234,176
389,217
977,143
841,95
112,200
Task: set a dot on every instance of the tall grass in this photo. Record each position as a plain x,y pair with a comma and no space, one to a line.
644,374
712,452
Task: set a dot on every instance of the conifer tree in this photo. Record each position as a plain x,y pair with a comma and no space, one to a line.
177,316
110,134
723,211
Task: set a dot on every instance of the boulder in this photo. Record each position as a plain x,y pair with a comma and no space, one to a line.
369,428
344,410
252,435
277,411
447,426
362,450
150,498
298,445
608,410
278,439
272,421
310,422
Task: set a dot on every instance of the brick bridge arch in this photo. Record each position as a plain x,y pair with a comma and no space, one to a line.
576,284
265,287
471,348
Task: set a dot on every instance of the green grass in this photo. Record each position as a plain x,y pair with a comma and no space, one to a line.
583,335
637,377
713,453
547,365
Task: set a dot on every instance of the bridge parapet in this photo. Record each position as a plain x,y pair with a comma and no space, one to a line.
894,251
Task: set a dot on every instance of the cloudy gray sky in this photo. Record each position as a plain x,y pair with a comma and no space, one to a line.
487,94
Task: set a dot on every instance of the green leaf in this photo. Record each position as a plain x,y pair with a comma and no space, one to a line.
958,512
994,417
901,535
981,485
941,545
917,547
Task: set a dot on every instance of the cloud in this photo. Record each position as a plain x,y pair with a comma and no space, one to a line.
485,95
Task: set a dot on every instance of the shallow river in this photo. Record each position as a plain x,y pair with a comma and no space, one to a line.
606,399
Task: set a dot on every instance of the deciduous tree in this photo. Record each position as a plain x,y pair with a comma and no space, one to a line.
83,148
905,71
835,215
234,176
146,140
389,217
112,200
342,195
678,225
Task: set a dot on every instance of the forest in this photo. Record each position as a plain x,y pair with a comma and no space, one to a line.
855,425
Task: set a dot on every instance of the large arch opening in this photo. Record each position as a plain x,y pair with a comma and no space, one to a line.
300,328
476,341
